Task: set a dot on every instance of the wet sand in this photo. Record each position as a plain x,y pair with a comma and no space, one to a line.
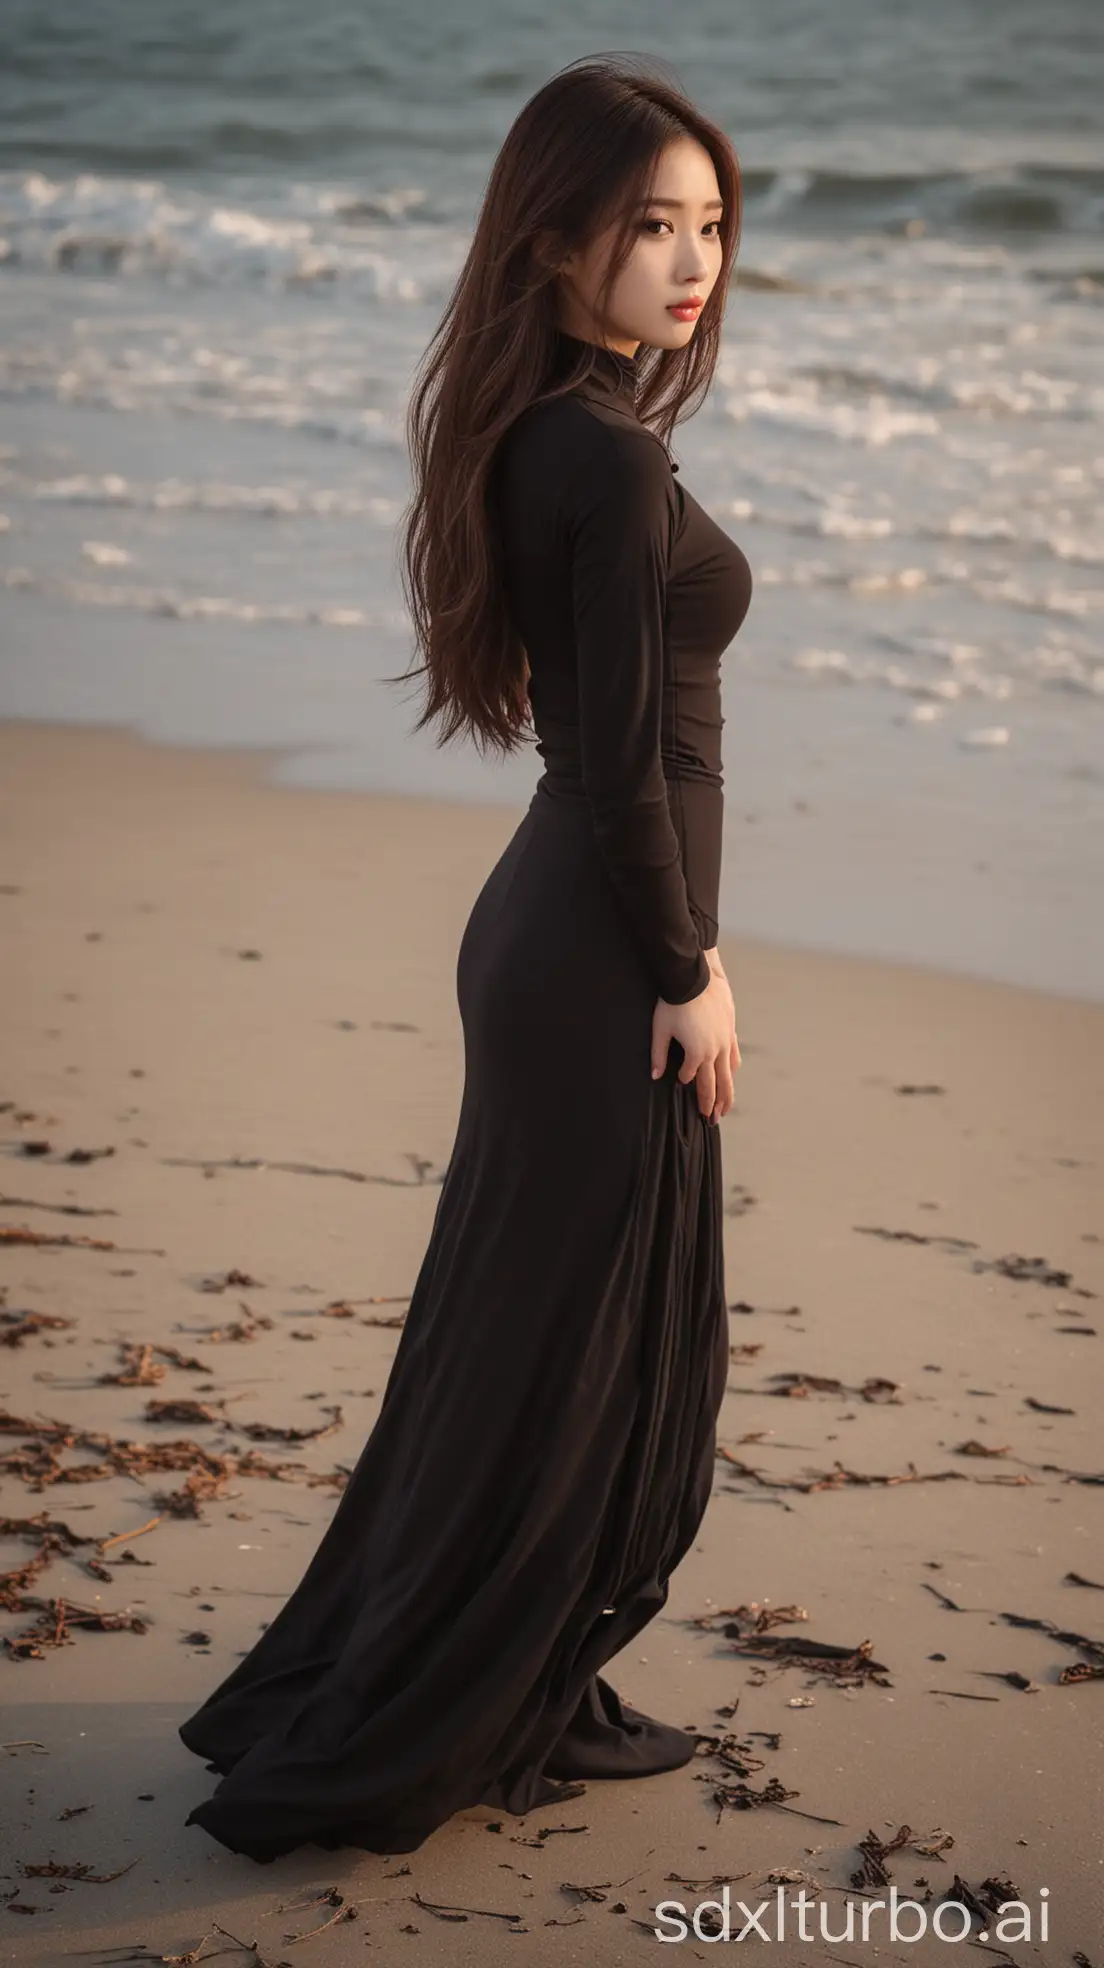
237,1001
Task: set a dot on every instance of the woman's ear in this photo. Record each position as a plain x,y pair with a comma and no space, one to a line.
548,253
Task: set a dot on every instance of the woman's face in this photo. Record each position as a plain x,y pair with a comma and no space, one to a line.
676,257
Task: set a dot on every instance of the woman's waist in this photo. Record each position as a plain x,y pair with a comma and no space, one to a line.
696,807
563,776
687,755
559,839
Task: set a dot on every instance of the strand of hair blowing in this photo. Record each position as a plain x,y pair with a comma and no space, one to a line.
579,158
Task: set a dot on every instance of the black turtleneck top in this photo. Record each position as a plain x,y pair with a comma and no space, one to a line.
625,593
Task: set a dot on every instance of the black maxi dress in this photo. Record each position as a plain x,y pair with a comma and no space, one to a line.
544,1451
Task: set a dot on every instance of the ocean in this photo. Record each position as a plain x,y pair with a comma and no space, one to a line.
227,233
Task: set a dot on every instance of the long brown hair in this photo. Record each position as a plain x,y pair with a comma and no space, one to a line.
580,156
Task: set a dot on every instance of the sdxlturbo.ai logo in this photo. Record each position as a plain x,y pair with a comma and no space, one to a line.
904,1919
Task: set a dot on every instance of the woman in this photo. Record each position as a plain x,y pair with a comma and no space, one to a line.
544,1450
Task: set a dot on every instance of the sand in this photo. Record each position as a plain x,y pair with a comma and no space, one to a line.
240,999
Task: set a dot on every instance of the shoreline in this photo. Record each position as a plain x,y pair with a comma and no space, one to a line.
775,883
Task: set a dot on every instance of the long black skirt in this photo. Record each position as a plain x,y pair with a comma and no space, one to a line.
544,1451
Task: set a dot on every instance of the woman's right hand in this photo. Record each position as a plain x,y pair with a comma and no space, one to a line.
706,1030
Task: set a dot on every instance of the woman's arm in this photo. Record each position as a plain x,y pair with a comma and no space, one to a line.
619,525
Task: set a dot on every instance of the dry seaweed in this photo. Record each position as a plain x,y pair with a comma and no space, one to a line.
746,1626
15,1327
733,1752
140,1369
56,1618
270,1431
985,1900
873,1871
54,1869
446,1911
963,1694
710,1885
753,1616
330,1896
12,1234
797,1386
1090,1670
185,1412
915,1237
239,1329
849,1667
1030,1270
51,1538
192,1955
39,1463
950,1605
56,1209
839,1477
741,1797
418,1163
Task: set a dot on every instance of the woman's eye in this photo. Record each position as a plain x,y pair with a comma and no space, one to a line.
711,223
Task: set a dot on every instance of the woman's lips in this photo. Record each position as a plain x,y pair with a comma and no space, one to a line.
686,310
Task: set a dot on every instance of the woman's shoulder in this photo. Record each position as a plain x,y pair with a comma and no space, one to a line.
578,437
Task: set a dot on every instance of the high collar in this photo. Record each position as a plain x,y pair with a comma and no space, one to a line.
614,374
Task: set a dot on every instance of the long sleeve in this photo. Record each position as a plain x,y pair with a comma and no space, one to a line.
619,525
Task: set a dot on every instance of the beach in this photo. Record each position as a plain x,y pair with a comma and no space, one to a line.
233,883
232,1068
